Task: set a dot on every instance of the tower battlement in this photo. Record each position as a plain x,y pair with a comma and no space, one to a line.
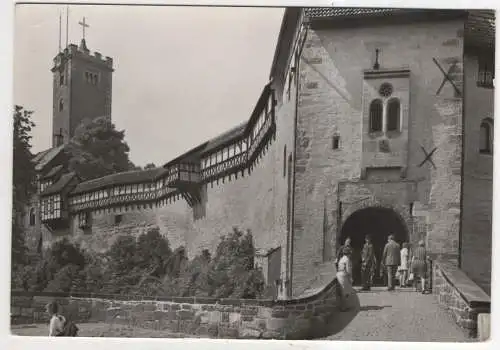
81,51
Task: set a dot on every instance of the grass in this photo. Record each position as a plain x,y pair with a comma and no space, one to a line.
100,330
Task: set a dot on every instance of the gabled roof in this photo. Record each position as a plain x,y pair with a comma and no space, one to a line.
43,158
124,178
210,145
337,12
222,139
59,185
52,172
480,27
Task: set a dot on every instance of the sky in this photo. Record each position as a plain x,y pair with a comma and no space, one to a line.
182,74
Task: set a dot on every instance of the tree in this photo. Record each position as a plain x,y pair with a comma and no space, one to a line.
98,149
23,180
149,166
232,273
153,252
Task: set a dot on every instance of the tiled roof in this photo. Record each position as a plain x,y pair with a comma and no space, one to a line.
210,145
348,11
59,185
225,137
128,177
480,23
481,27
52,172
43,158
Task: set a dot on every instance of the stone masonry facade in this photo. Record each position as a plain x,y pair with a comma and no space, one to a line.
332,104
311,156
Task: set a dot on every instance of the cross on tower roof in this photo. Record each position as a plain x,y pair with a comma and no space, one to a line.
84,25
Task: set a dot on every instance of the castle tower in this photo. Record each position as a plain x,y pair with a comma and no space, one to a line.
82,84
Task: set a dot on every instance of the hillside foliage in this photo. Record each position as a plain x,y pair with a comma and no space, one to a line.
22,180
147,265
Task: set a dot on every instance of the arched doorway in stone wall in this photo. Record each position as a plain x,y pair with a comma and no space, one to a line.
378,222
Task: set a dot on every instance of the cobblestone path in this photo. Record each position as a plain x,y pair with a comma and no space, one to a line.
401,315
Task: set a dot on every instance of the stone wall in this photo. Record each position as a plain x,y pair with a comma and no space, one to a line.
304,318
478,182
331,105
254,200
459,295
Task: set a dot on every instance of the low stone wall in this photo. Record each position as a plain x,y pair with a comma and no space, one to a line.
458,294
303,318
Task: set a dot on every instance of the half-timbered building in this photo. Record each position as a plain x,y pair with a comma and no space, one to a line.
374,121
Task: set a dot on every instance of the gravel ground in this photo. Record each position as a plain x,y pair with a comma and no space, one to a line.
98,330
400,315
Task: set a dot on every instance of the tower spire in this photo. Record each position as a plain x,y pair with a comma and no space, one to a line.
59,32
67,24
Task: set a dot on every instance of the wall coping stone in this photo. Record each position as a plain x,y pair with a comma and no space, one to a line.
187,300
469,290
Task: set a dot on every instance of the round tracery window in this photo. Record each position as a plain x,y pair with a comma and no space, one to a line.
385,90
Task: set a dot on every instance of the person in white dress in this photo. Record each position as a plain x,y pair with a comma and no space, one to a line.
344,277
403,268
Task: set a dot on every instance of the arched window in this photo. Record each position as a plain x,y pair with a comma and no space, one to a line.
32,217
486,136
376,116
393,115
61,105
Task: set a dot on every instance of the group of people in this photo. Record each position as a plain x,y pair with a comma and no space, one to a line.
397,263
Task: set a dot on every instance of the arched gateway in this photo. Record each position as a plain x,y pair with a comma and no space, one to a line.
378,222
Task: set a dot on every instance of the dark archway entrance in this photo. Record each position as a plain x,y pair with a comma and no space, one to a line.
378,222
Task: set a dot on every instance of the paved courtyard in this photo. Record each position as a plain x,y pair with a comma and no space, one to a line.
401,315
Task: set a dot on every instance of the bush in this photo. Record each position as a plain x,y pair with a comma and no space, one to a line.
147,265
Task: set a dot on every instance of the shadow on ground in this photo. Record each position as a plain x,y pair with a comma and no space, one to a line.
372,307
340,320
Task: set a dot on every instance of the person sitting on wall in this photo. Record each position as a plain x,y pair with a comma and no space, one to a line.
344,277
59,326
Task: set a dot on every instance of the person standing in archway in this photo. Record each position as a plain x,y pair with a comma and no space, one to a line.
403,268
344,277
368,263
419,266
340,252
390,260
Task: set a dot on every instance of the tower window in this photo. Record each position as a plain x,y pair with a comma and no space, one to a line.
91,78
393,115
486,136
61,105
376,116
61,79
336,142
32,217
